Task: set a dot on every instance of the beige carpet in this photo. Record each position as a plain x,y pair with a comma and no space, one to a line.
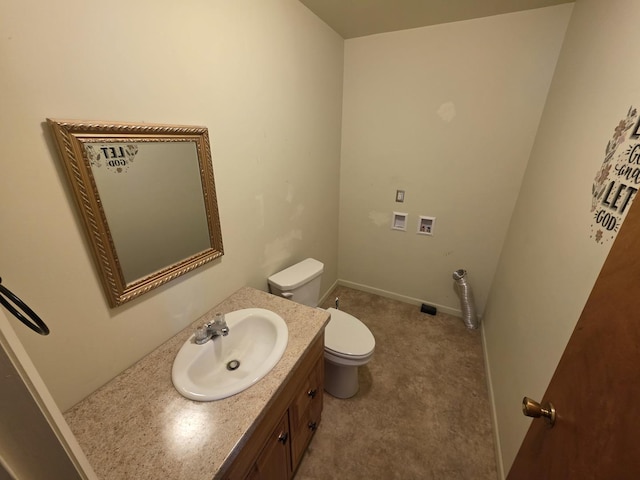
422,411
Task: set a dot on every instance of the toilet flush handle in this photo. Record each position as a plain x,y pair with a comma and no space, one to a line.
288,295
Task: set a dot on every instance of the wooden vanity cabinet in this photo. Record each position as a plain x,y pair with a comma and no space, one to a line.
275,448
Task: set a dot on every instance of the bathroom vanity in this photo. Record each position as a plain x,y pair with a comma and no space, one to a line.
138,425
275,449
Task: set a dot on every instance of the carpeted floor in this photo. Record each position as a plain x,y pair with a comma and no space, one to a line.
422,411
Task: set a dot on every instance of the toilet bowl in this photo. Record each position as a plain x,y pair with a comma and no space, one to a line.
349,344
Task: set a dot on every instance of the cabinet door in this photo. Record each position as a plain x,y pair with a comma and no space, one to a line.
274,462
306,410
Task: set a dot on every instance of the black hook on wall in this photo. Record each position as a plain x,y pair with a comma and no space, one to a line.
34,322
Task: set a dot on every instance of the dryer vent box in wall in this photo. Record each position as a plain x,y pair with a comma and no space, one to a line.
399,221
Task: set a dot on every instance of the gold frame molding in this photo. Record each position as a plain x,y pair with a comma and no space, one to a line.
70,135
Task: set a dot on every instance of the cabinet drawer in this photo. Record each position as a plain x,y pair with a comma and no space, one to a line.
303,434
306,410
309,396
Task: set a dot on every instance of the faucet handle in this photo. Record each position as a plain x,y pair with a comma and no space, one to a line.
218,319
202,335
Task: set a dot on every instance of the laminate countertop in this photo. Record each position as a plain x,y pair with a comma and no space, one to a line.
138,426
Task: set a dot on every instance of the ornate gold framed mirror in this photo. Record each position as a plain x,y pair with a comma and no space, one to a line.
147,198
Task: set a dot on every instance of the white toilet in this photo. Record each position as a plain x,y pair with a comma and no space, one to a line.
348,343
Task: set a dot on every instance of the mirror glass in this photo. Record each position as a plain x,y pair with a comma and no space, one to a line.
147,197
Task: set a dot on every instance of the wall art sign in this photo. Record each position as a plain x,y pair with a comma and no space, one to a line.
618,179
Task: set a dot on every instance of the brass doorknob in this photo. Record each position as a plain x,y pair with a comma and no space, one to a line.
533,409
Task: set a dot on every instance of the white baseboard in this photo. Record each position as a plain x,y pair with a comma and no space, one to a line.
396,296
492,406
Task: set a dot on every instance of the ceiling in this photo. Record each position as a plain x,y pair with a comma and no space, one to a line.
356,18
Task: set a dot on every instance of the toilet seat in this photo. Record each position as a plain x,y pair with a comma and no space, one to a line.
347,337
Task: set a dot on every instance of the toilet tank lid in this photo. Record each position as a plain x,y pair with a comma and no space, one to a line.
297,274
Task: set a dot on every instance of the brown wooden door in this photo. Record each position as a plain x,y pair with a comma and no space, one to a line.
596,386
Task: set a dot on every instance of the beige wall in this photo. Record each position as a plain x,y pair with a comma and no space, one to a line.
549,262
265,78
447,113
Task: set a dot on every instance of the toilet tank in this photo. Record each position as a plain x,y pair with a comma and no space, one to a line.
299,282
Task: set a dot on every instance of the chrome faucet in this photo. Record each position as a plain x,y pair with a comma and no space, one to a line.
210,330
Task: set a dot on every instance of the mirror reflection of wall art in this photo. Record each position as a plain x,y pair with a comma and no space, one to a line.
147,197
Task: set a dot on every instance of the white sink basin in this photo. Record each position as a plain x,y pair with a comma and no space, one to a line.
257,339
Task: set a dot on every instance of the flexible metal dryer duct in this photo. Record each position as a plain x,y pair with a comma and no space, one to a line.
469,315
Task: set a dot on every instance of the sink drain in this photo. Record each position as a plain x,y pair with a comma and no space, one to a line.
233,365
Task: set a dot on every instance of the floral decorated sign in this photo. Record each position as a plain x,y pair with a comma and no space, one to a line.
618,180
